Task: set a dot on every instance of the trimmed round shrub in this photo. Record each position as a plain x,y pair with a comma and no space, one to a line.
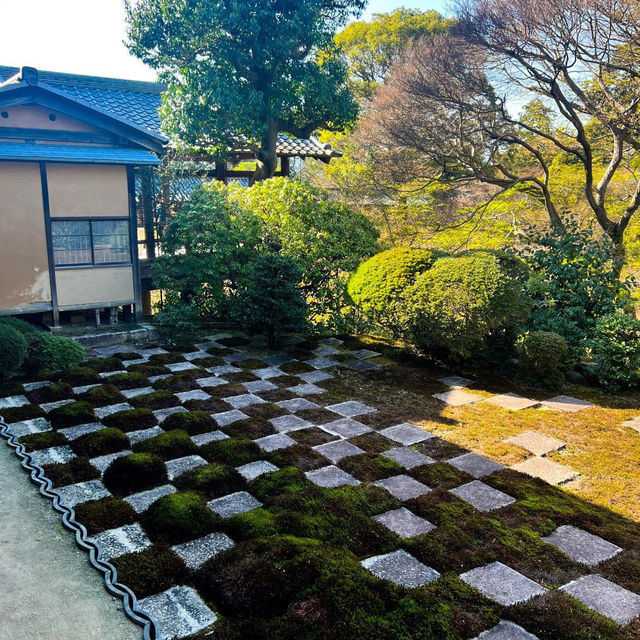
107,513
100,443
378,285
193,422
543,357
131,420
13,350
71,414
167,446
58,353
177,518
133,473
616,350
464,304
21,326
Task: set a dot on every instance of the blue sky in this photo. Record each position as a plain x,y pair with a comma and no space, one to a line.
85,36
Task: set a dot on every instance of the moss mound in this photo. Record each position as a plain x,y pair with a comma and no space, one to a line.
72,472
131,420
155,400
102,396
108,513
213,480
129,380
232,451
101,365
71,414
100,443
35,441
28,411
193,422
53,393
79,376
135,472
167,446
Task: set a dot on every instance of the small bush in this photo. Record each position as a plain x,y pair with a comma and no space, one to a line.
128,380
71,414
107,513
35,441
13,350
212,480
271,302
177,518
100,443
58,353
378,285
151,571
131,420
543,357
463,305
133,473
167,446
193,422
616,350
103,395
155,400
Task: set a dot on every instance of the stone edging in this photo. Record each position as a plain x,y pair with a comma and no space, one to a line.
109,572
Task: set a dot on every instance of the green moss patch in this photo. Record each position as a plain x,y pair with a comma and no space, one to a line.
299,456
166,358
297,367
149,370
240,376
212,481
180,381
72,472
266,410
102,396
440,475
155,400
131,419
107,513
312,436
10,388
226,390
129,380
100,443
233,341
373,443
71,414
252,428
80,376
369,468
102,365
135,472
232,451
210,405
251,363
317,416
26,412
193,422
276,395
440,449
178,517
53,393
284,382
151,571
35,441
167,446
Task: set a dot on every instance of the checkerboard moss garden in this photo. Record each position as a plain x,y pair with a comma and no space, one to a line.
341,501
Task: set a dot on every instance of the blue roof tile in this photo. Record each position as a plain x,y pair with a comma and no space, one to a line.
75,153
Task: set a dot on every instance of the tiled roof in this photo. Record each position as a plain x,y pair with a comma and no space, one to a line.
131,101
76,153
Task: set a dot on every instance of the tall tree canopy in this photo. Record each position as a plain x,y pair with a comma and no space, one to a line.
450,111
370,48
241,71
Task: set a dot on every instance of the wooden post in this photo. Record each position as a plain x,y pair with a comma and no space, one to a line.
285,166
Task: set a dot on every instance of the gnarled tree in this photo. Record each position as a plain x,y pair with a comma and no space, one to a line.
451,110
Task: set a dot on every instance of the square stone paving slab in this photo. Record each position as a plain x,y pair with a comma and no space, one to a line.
196,552
307,389
506,630
346,428
162,376
582,546
53,455
475,465
32,386
233,504
321,362
326,350
337,450
229,417
103,412
634,423
134,393
85,388
406,434
457,397
503,584
205,438
512,401
566,403
457,382
362,365
194,394
144,434
401,568
144,499
108,374
195,355
10,402
538,443
223,369
546,470
74,494
297,404
275,442
351,409
163,414
180,366
257,386
244,400
211,381
364,354
404,523
178,612
178,466
101,463
35,425
278,359
605,597
407,457
50,406
289,422
254,470
312,377
236,357
482,496
116,542
403,487
331,477
266,373
73,433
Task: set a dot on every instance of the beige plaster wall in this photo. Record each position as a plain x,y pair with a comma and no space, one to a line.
24,270
94,285
87,190
36,117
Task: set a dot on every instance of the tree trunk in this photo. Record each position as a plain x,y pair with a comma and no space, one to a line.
267,157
